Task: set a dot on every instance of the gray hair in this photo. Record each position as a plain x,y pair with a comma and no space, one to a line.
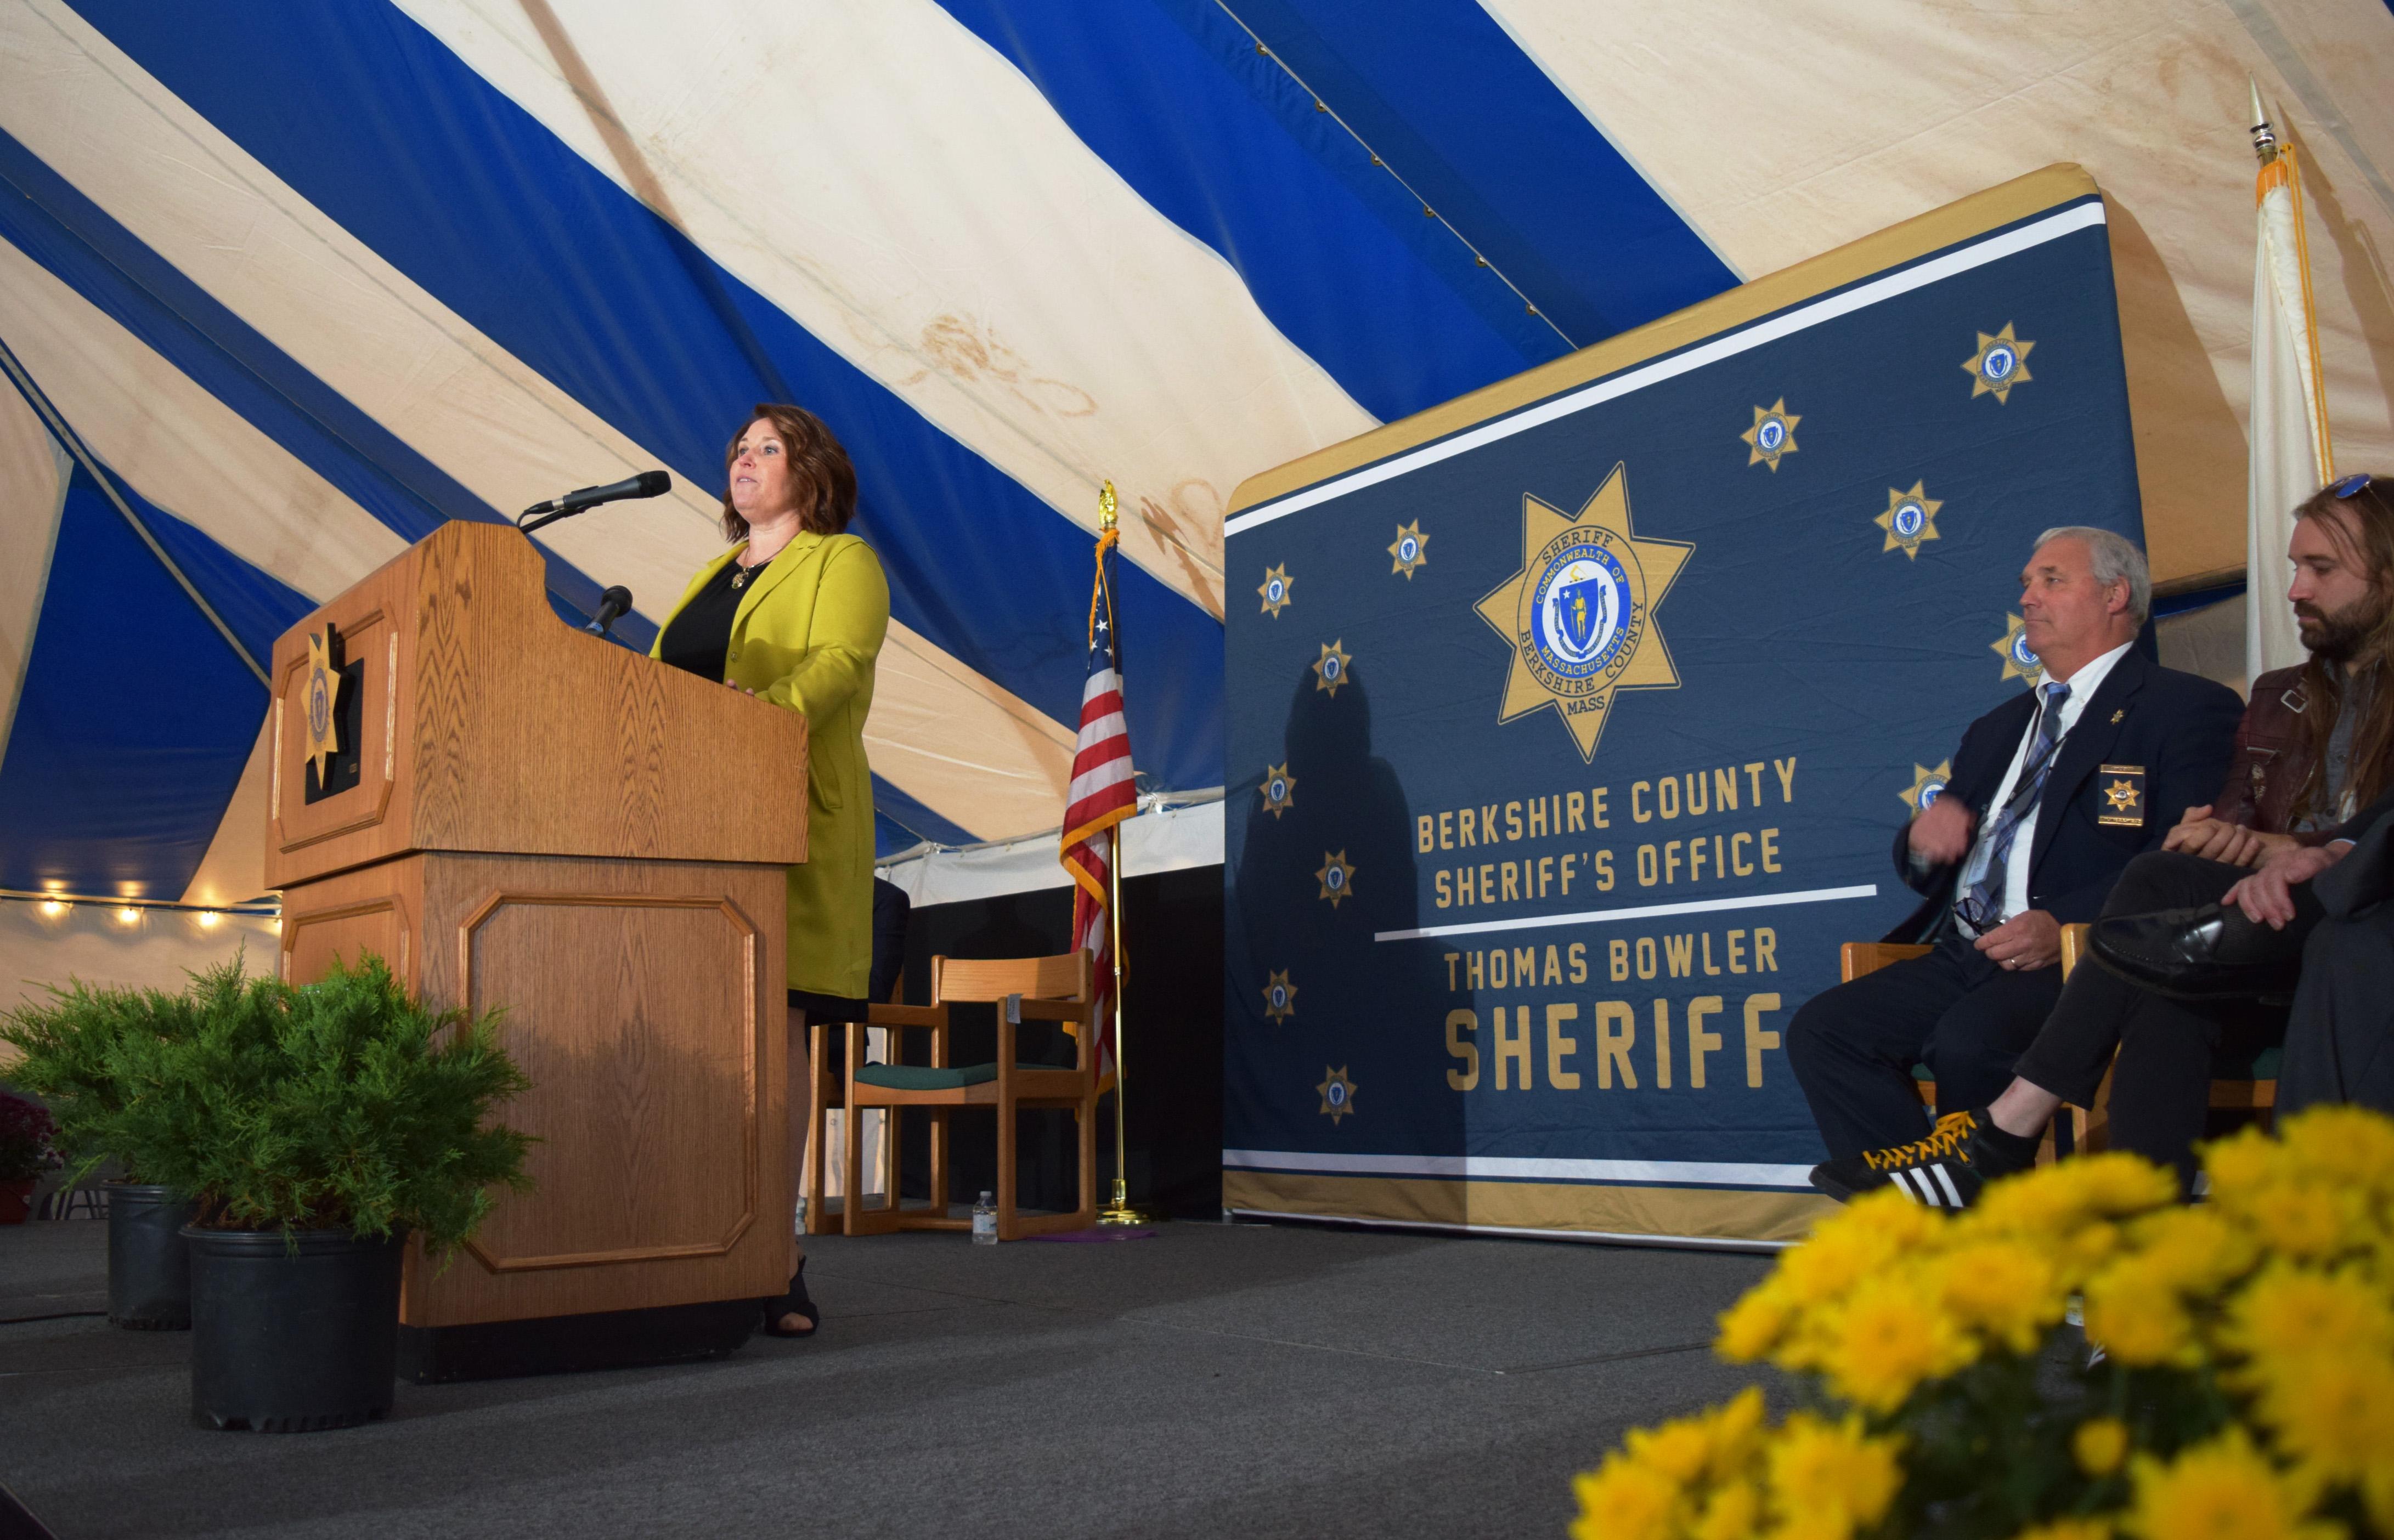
2115,559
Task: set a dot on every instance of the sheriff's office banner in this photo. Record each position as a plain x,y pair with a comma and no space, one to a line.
1571,723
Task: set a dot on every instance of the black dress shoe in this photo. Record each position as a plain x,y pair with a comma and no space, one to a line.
2198,954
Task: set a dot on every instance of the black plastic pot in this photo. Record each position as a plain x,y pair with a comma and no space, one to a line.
149,1265
292,1333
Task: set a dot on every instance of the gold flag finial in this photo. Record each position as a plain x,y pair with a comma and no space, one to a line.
1107,518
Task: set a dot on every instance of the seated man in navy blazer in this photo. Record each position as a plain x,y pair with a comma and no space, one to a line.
2052,794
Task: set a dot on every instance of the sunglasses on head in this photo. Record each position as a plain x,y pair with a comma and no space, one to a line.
2351,486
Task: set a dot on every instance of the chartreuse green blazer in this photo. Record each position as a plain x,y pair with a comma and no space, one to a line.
805,637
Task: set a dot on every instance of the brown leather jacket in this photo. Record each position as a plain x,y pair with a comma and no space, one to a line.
2272,757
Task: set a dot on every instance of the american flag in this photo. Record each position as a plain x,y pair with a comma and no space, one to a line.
1102,794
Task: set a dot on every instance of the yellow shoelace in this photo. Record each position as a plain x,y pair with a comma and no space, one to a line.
1951,1130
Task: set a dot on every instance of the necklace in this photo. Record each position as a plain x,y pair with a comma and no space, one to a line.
740,577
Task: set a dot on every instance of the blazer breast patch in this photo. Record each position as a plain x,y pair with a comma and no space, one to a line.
2122,791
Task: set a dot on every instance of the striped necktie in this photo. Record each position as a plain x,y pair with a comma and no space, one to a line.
1991,861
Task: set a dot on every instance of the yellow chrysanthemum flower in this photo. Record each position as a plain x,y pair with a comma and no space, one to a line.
1625,1500
1736,1433
1679,1449
2223,1490
2136,1316
2101,1445
2004,1289
1832,1473
2114,1185
1887,1339
1756,1323
1855,1242
2345,1145
2311,1220
1733,1512
2242,1164
2333,1412
2068,1529
2288,1313
2195,1252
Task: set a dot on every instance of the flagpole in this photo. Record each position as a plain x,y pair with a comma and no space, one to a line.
1122,1211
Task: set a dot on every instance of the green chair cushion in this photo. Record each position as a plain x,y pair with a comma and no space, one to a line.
2262,1066
924,1078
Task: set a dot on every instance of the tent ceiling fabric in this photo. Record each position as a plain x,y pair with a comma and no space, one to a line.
303,283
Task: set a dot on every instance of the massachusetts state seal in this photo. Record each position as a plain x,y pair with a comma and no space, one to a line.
2000,363
1910,519
2018,662
1579,615
323,726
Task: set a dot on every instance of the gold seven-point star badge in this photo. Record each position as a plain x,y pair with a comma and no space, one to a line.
2121,795
1279,998
2000,363
1409,550
1275,588
1279,789
2018,662
1580,614
1338,878
1773,434
1910,518
323,688
1330,669
1927,786
1338,1094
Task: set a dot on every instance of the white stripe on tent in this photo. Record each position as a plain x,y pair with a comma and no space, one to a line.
233,871
1676,1173
33,472
178,446
903,193
500,429
2052,226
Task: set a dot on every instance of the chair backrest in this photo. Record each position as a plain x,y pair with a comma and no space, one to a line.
1064,977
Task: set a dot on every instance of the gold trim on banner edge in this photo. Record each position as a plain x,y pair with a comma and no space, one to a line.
1664,1213
2005,204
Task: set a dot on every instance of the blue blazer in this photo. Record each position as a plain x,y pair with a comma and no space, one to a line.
2165,738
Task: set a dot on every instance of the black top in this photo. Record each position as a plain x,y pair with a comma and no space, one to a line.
697,638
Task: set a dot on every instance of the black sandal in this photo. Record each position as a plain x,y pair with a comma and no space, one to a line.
795,1302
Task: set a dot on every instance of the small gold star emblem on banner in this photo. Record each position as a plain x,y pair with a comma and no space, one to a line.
1279,789
1927,786
1277,584
1338,878
2000,363
1773,434
1580,613
1910,519
1330,670
1337,1094
1409,549
2018,662
323,691
1279,998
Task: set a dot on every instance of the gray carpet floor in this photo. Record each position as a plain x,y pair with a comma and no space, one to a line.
1216,1380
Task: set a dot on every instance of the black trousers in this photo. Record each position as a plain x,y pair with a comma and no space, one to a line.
2161,1083
1853,1048
2340,1040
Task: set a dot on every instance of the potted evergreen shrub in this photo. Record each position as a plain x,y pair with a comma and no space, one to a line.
316,1127
73,1056
26,1131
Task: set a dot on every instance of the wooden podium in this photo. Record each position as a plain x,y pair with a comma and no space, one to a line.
519,814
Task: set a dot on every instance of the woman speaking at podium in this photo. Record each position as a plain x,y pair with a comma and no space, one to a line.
793,614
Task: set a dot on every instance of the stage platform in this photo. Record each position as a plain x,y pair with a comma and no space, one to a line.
1247,1380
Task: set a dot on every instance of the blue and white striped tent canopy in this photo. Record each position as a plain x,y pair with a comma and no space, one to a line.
284,287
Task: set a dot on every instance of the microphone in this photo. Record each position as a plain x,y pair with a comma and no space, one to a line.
611,608
646,484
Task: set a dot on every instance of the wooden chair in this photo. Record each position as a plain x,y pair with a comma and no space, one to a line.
2089,1125
1059,989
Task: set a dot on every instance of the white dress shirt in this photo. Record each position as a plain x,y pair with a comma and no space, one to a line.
2083,686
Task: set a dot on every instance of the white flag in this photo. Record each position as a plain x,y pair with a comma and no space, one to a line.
2289,459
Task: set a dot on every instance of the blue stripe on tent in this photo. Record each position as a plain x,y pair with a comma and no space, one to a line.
1333,249
911,821
1450,100
376,123
98,259
136,718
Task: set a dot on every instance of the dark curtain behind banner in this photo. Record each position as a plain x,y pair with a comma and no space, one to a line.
1570,724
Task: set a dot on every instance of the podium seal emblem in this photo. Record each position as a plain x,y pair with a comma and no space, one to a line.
322,694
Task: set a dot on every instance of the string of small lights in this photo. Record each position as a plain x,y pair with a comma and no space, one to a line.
1427,212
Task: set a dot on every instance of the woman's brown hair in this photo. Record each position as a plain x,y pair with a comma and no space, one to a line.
820,477
2368,541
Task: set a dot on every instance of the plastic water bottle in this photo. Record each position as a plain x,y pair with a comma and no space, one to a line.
985,1220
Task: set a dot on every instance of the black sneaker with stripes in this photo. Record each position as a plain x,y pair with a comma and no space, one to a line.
1945,1170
